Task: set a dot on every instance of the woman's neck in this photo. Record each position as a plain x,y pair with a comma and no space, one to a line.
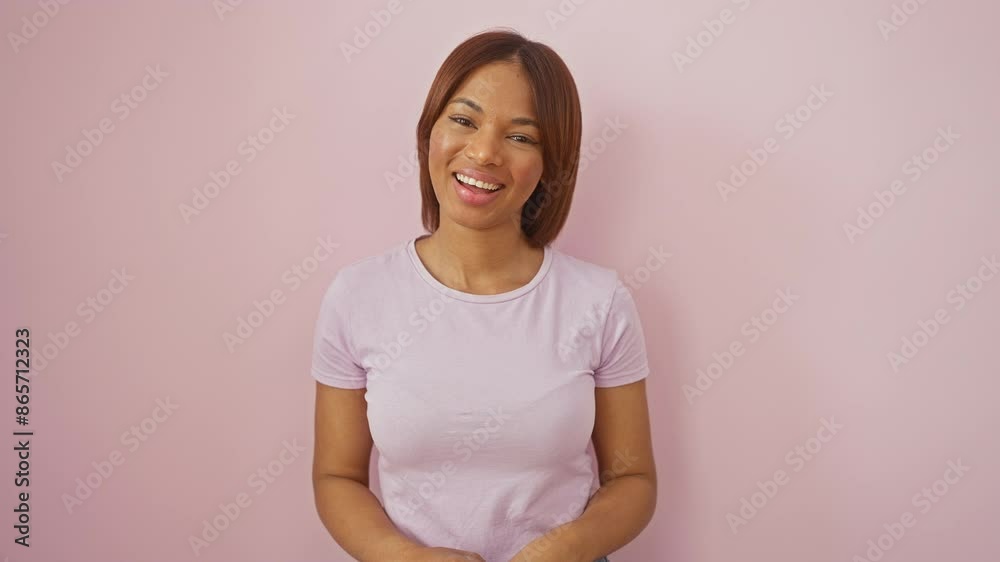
480,261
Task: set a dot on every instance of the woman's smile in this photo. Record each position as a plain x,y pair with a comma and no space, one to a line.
472,195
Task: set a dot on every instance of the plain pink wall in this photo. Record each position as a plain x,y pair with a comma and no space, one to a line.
207,82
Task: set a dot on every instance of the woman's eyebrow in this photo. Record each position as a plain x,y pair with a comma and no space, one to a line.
475,107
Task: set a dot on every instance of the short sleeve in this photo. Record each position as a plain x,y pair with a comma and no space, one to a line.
334,362
623,345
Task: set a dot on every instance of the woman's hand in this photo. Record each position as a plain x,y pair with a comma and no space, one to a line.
441,554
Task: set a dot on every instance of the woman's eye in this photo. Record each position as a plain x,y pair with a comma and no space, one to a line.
465,122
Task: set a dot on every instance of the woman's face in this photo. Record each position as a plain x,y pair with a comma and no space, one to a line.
487,131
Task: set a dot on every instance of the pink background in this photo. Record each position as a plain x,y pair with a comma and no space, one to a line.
653,187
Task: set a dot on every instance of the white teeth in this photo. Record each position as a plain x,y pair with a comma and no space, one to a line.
477,183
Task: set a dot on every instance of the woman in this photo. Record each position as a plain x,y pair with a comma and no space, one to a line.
479,360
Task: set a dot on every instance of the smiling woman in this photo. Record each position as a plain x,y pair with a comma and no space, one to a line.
500,100
467,134
447,352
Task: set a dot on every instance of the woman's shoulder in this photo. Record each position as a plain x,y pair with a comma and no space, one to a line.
573,271
368,274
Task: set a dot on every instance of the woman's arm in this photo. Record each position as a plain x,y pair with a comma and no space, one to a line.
346,506
626,500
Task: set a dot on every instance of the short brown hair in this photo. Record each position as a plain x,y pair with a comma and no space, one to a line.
557,105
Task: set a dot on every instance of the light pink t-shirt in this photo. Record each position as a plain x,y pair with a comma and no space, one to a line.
481,406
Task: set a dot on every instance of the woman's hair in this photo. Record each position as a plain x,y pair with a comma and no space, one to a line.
557,106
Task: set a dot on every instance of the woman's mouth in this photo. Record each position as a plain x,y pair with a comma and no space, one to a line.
485,187
475,192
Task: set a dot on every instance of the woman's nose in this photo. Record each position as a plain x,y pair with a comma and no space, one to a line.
483,148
